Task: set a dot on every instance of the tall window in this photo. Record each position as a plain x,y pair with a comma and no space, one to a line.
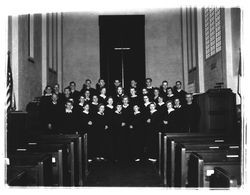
212,31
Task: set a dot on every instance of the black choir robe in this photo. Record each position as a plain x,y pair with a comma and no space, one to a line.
102,99
179,119
68,122
137,135
43,111
54,111
93,108
181,95
191,117
75,95
170,98
162,109
100,136
163,93
134,101
119,138
170,117
152,130
83,122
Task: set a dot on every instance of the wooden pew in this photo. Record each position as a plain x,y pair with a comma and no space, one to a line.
78,153
59,157
183,151
16,177
201,165
222,179
69,143
38,168
169,143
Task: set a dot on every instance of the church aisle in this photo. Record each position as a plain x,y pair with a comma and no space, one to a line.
139,174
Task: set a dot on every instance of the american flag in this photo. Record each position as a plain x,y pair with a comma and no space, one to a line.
10,95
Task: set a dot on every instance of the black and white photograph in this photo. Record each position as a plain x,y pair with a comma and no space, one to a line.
124,98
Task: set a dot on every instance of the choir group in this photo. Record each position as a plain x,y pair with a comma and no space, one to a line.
122,124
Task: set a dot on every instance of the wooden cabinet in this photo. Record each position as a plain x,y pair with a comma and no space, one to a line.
218,111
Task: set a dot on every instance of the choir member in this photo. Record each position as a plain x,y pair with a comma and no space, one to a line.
73,92
149,87
179,116
134,98
109,111
191,114
87,96
85,120
54,110
66,95
163,90
94,104
137,134
152,129
133,84
144,92
119,95
145,105
103,97
179,93
43,106
170,95
80,105
160,106
68,119
113,88
118,131
87,86
101,83
169,118
100,135
156,94
57,91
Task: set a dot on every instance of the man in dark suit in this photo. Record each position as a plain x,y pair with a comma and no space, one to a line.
179,92
191,114
163,89
149,87
73,92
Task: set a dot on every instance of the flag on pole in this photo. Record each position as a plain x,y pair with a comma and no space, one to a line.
11,104
239,74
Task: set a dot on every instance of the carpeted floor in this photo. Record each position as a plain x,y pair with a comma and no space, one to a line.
139,174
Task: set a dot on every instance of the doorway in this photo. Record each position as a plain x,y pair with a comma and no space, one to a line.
122,48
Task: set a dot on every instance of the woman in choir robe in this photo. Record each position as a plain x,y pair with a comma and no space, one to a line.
103,97
100,129
179,116
94,105
85,125
109,112
85,120
126,112
152,129
54,110
136,125
134,98
119,95
170,95
156,94
169,118
118,125
80,105
161,108
145,107
87,96
144,92
68,119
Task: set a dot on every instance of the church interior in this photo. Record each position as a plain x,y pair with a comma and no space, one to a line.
121,68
